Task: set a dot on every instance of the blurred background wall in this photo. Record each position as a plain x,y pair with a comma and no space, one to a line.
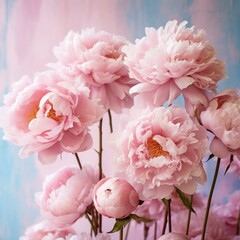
30,28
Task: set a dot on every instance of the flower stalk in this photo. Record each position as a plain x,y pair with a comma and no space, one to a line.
210,198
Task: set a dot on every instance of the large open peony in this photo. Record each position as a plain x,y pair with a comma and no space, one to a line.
97,57
162,149
170,60
48,117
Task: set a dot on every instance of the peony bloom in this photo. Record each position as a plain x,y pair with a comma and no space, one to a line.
85,236
162,149
231,210
153,209
173,236
170,60
45,231
222,118
115,197
97,58
48,117
67,194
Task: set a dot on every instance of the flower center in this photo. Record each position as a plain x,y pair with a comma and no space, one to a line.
32,114
52,114
155,149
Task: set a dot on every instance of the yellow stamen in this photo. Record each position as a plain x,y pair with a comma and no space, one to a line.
155,149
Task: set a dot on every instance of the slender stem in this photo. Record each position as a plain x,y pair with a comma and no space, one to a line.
100,150
189,215
238,223
169,216
100,164
146,229
78,160
110,120
127,231
121,234
93,228
165,221
155,230
210,198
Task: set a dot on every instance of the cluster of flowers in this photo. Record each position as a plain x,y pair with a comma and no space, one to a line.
160,146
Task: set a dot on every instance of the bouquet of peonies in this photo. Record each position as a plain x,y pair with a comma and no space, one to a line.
161,149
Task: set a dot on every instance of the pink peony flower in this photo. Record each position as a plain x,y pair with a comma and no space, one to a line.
85,236
153,209
173,236
97,57
222,118
67,194
115,197
162,149
216,227
45,231
231,210
170,60
48,117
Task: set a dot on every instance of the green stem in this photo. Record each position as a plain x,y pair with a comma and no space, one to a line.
121,234
210,198
155,231
100,164
110,120
169,216
146,229
78,160
165,221
100,149
127,232
189,215
93,228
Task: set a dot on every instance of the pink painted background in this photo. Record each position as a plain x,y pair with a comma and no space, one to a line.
30,29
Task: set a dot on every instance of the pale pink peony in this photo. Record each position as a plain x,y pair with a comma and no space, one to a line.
161,149
231,210
170,60
216,227
153,209
222,118
115,197
66,194
48,116
45,231
85,236
97,57
173,236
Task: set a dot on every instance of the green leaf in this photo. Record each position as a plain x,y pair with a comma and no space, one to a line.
140,219
120,223
227,168
185,200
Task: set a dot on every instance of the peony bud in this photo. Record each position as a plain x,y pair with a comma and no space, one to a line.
115,197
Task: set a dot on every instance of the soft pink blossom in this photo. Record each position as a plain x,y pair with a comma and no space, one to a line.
47,116
85,236
161,149
152,209
97,57
216,227
173,236
45,231
66,194
170,60
222,118
231,210
115,197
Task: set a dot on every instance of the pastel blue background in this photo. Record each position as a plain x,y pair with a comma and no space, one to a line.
19,178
